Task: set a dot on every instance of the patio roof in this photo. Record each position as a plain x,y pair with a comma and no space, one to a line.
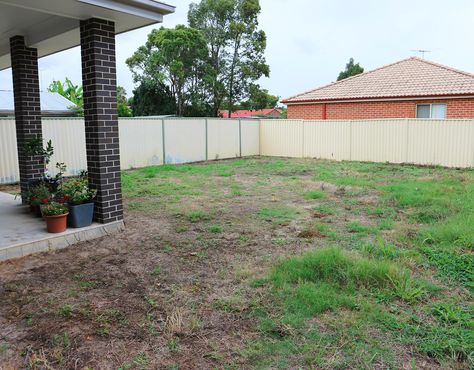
53,25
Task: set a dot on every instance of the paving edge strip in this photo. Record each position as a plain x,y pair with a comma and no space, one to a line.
60,241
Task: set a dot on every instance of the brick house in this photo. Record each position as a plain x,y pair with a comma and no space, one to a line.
242,113
410,88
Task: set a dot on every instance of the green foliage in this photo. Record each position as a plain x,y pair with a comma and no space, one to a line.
39,194
340,268
66,310
236,48
77,191
315,194
152,98
216,229
258,98
123,109
73,93
34,147
54,209
175,57
352,69
277,215
197,216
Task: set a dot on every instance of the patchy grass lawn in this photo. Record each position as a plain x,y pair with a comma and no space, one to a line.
258,263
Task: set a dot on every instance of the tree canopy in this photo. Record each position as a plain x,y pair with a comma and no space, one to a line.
175,57
236,48
352,69
259,99
152,99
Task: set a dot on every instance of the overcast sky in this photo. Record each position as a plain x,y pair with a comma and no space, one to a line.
309,41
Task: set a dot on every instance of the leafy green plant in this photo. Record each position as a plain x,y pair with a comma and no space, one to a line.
77,191
54,209
39,194
34,147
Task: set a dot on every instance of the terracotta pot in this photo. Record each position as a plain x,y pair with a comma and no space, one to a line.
56,224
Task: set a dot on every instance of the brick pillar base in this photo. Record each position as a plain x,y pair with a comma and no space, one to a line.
26,92
100,113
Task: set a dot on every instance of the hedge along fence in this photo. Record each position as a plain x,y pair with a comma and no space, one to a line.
143,142
151,141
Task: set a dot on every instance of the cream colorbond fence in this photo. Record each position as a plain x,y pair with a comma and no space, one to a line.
149,141
143,142
447,143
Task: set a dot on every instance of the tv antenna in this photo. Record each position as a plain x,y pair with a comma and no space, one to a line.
422,52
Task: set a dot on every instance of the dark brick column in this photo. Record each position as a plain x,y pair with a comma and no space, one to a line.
100,112
26,92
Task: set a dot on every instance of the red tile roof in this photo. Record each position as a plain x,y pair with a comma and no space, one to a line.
248,113
413,77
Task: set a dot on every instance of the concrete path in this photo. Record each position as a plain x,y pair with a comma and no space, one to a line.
21,233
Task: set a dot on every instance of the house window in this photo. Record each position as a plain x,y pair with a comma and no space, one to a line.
434,111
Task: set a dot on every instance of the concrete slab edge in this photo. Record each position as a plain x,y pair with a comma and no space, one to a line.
60,241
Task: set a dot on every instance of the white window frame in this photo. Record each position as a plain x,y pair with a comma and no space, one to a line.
431,110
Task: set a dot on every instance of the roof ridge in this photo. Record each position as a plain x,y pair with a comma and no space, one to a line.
348,78
444,67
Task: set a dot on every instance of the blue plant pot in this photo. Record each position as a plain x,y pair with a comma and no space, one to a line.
80,215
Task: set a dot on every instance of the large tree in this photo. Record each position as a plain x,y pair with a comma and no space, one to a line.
352,69
236,48
174,57
259,98
152,99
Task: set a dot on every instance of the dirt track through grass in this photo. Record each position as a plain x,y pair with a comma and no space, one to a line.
258,263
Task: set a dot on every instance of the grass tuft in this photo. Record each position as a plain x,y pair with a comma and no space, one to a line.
315,194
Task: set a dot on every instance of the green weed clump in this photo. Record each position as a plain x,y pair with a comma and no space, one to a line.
277,215
315,194
346,270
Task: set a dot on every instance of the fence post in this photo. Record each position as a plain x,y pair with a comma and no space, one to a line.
163,139
302,138
207,149
350,140
240,138
408,139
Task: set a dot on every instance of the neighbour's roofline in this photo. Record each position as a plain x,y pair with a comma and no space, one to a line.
382,98
293,99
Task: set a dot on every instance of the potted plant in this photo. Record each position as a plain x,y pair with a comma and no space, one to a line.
39,194
55,215
80,200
